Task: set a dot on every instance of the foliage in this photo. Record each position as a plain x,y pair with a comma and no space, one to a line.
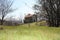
52,8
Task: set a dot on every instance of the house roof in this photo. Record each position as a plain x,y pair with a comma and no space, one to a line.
28,16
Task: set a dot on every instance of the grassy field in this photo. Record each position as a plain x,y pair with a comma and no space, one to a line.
24,32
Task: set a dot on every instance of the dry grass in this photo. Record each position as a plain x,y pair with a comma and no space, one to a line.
34,32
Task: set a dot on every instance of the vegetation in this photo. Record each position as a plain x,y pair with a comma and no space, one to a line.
51,9
5,8
34,32
47,11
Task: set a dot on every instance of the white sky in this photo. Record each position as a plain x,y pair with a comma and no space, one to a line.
23,7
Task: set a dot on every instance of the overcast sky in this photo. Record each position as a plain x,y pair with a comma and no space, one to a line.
23,7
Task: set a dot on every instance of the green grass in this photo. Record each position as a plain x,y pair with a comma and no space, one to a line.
24,32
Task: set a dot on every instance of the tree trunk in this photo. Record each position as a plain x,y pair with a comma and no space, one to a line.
2,20
2,17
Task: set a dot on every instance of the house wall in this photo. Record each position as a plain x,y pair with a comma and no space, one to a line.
30,19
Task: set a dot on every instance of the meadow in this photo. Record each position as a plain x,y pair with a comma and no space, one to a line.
34,32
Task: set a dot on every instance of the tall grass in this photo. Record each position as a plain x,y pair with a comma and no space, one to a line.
34,32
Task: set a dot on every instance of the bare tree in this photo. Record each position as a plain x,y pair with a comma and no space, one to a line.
5,8
40,12
52,8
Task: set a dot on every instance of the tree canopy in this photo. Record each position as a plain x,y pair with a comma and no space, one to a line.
52,8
